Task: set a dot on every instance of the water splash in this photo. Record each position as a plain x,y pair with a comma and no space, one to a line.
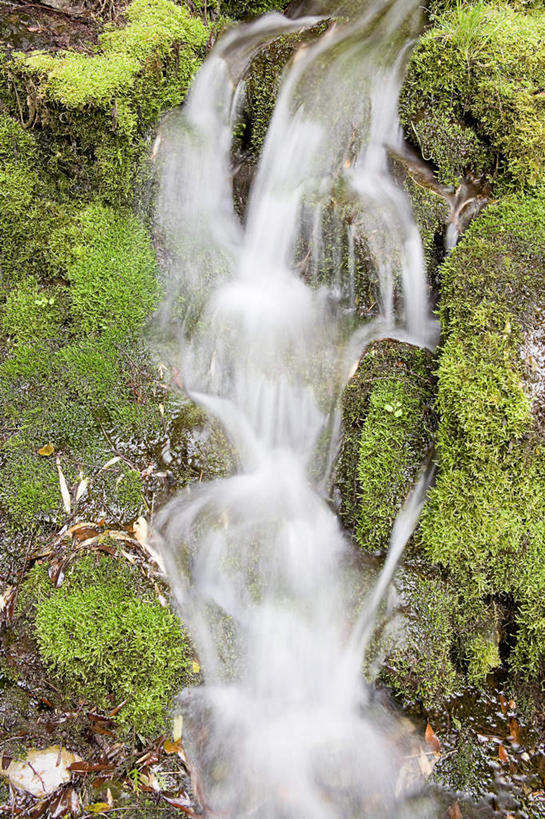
285,726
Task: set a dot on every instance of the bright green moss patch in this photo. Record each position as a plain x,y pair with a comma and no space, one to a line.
484,517
111,271
473,98
106,639
153,26
388,424
93,112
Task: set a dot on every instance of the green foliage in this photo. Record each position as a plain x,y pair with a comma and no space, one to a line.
484,517
29,485
388,424
108,641
27,214
31,312
466,100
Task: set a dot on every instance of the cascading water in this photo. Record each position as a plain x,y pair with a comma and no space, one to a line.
284,726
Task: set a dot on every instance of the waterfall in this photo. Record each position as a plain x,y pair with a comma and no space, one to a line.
284,725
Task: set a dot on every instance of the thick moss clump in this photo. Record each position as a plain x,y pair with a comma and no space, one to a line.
388,429
485,517
106,638
473,98
98,108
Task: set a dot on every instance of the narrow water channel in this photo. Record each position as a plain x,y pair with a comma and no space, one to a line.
285,726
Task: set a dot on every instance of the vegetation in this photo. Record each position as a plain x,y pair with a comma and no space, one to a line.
92,112
109,642
243,9
484,518
388,424
466,102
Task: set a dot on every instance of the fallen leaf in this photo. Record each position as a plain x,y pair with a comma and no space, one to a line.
82,489
425,764
195,667
503,704
181,804
110,463
42,772
64,488
172,747
503,756
98,807
431,738
177,727
46,450
514,731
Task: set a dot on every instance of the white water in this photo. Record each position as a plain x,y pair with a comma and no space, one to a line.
284,726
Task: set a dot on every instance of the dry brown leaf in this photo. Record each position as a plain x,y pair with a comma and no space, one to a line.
454,811
172,747
431,738
503,704
515,731
503,756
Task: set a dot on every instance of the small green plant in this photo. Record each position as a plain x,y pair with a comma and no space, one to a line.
394,409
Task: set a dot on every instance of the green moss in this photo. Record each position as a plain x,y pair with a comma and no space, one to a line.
241,9
388,428
27,213
484,517
419,661
93,112
111,271
108,642
472,98
31,312
29,485
483,656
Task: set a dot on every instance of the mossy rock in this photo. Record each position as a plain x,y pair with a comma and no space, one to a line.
472,99
245,9
263,82
388,423
103,636
484,519
92,112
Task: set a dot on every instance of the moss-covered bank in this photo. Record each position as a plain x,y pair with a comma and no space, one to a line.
472,99
485,518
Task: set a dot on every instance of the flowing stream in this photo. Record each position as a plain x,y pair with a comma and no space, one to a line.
285,725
